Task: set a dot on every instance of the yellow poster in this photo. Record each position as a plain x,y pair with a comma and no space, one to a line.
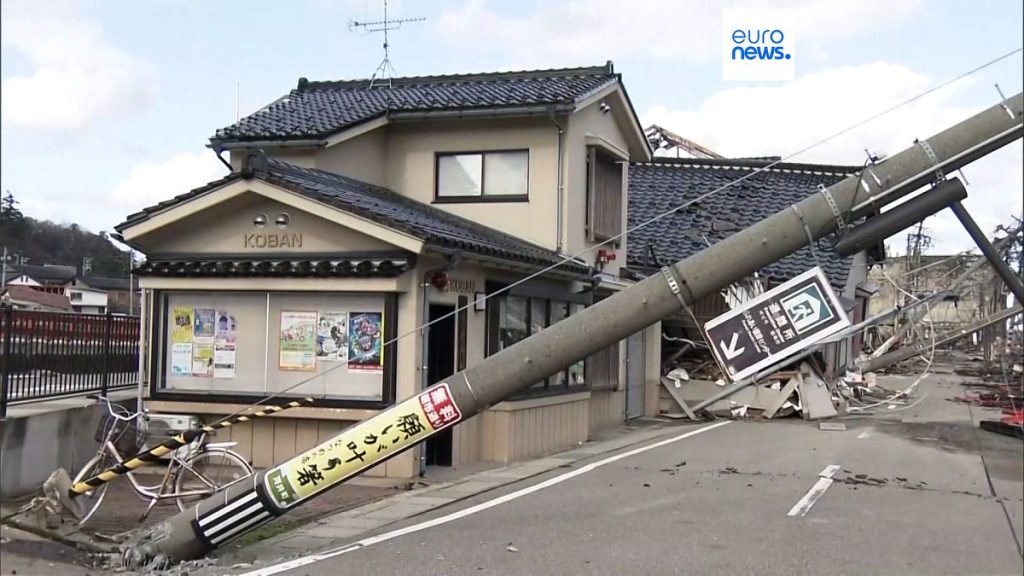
181,325
362,446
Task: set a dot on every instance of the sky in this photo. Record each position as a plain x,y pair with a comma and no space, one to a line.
107,106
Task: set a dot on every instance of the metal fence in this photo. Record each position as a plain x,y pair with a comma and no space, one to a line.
48,355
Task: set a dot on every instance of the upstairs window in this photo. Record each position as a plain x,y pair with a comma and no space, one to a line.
483,176
604,196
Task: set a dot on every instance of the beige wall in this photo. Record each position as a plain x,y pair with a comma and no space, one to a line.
362,158
411,167
529,428
589,121
223,229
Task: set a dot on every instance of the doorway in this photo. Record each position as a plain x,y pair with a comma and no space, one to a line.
440,365
635,369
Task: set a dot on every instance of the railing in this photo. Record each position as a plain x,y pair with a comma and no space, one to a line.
48,355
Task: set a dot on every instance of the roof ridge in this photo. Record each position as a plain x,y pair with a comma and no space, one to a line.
608,68
752,164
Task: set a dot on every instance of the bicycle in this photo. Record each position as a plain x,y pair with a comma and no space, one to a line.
193,472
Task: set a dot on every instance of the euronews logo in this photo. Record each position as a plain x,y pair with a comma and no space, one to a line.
758,45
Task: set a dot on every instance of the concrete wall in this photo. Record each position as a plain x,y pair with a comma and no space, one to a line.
35,441
529,428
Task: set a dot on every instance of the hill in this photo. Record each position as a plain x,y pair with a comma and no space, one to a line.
44,242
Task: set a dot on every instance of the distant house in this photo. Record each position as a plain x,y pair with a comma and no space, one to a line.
22,297
87,294
666,183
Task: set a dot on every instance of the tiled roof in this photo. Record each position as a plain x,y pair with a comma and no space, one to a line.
47,273
28,294
438,229
659,186
108,283
284,265
318,109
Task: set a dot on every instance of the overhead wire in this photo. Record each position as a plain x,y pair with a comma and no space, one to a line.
573,258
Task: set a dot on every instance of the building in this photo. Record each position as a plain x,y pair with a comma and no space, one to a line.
22,297
355,214
666,183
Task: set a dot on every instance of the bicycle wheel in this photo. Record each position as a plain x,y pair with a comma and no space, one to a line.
208,471
92,499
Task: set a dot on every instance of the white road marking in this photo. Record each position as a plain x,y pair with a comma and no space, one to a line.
863,435
313,558
817,491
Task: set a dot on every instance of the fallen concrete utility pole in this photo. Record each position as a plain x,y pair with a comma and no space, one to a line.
872,364
217,520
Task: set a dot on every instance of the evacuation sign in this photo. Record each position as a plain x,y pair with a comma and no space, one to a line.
779,323
361,446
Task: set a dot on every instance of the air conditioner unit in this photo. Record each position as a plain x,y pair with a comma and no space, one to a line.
163,426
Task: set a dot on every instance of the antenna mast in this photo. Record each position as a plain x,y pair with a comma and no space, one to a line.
383,72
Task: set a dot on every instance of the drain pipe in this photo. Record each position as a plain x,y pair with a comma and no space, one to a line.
560,191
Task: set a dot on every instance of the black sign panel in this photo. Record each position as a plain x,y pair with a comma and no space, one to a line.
779,323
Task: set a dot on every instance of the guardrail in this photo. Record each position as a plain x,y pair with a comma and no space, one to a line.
49,355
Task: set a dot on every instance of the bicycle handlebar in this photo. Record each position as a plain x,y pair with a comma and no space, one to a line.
113,412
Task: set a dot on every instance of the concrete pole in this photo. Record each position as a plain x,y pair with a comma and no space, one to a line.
872,364
271,493
1012,281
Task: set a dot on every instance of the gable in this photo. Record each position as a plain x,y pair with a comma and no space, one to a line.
228,228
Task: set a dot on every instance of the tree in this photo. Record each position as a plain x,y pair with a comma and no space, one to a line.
9,213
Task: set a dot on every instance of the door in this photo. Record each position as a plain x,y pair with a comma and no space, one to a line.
635,355
440,365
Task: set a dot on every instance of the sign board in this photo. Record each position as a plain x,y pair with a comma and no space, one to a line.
779,323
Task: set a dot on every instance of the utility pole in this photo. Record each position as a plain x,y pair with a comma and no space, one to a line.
872,364
271,493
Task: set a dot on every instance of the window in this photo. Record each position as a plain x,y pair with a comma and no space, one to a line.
513,318
604,196
76,296
483,176
235,345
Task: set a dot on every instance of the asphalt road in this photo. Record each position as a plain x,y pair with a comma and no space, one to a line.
911,496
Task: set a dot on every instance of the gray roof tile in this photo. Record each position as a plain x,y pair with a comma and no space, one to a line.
664,184
318,109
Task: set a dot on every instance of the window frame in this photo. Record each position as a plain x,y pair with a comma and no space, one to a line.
595,154
483,197
158,359
492,323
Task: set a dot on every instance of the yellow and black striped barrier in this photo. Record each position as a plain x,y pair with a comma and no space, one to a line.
171,444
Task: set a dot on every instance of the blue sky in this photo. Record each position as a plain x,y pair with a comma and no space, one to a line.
107,105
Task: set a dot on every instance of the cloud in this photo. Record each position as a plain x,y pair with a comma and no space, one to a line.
778,120
152,182
77,78
690,32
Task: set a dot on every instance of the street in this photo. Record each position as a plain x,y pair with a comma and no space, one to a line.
910,495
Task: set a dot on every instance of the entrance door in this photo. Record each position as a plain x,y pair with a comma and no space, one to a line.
440,365
635,375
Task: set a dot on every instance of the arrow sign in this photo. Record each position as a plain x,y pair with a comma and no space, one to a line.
778,323
731,351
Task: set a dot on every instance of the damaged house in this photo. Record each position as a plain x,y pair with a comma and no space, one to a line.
666,183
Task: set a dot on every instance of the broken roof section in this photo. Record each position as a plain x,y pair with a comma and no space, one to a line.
320,109
667,183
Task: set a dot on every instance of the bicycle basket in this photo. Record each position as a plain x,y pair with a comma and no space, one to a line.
127,437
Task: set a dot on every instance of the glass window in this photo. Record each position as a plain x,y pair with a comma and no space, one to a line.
506,173
484,174
460,175
511,320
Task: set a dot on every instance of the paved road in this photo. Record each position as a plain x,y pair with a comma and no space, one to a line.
911,496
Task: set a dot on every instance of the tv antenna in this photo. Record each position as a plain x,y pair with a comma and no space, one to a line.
383,72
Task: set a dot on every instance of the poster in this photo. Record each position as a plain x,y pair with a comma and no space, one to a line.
181,357
181,325
297,341
332,336
202,359
224,345
203,323
365,333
